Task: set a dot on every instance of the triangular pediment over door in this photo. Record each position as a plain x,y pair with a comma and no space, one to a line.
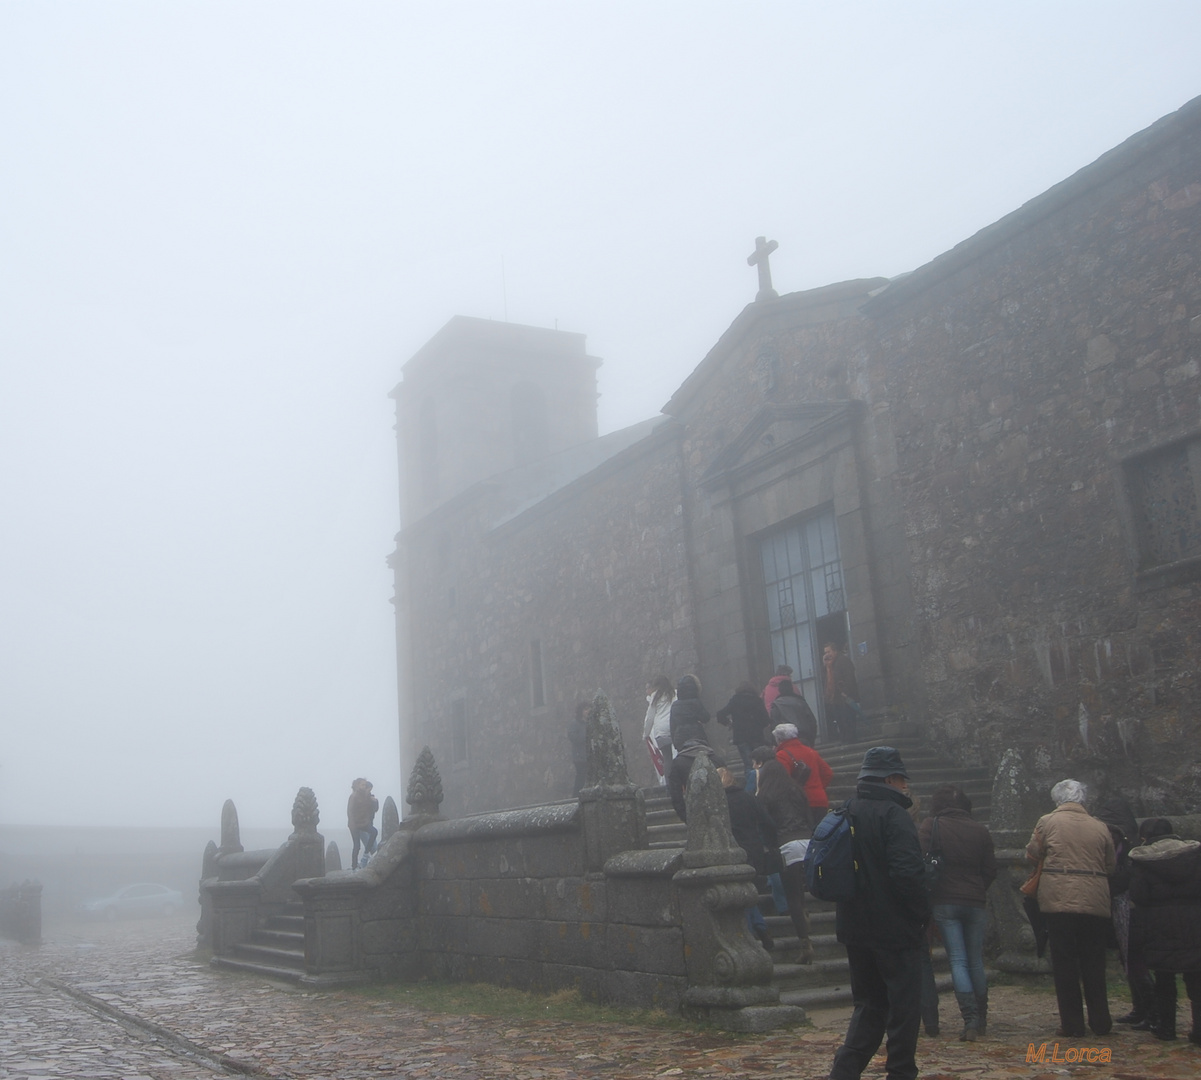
777,433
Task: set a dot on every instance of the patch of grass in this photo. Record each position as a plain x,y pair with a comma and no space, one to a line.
483,999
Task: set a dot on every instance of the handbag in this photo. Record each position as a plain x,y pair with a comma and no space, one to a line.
933,859
1029,887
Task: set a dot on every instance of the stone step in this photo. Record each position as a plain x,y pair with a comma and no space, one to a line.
824,997
270,955
829,972
230,963
282,939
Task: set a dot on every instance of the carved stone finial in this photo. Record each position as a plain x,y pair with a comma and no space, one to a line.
425,785
231,837
304,812
333,857
606,750
710,841
389,819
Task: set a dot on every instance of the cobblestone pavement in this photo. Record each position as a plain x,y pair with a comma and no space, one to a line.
130,1001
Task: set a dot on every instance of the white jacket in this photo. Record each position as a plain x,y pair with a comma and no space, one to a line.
658,719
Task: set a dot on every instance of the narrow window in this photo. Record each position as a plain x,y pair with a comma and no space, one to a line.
458,731
1163,495
537,682
427,452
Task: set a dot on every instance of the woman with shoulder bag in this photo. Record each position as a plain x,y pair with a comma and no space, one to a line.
967,867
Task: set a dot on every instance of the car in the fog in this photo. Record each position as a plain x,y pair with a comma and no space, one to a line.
140,899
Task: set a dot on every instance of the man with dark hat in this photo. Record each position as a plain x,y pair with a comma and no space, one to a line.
883,927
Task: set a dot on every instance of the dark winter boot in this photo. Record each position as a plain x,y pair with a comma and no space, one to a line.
971,1016
982,1013
1164,1026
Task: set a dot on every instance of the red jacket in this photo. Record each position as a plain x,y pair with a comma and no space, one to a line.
820,774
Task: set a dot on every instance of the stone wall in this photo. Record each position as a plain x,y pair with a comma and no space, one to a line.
1023,372
597,575
563,896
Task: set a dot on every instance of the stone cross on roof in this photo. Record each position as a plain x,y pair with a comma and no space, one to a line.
763,248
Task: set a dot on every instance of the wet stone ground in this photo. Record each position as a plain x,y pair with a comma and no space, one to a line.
130,1001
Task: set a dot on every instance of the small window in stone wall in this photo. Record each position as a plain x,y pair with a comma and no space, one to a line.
537,678
458,731
1163,494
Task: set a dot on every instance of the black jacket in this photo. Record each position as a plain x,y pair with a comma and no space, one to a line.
789,709
688,720
754,831
745,709
891,907
1165,888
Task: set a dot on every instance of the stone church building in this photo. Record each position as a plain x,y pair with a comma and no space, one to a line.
983,477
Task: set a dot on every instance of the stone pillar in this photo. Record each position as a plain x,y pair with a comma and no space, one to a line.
729,973
1010,822
333,858
612,808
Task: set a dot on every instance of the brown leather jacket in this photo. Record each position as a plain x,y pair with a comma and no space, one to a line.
969,865
1079,857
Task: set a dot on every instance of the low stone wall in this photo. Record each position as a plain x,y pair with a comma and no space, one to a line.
566,895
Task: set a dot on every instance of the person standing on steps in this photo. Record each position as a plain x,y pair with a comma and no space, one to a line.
772,689
754,832
790,708
786,804
746,717
969,867
791,751
884,926
656,728
841,693
360,814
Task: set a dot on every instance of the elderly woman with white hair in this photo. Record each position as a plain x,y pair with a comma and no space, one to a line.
1074,852
806,766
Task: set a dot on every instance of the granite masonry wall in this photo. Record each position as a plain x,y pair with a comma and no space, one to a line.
1025,373
597,575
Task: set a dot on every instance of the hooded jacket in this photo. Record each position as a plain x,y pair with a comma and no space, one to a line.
688,715
891,905
1165,888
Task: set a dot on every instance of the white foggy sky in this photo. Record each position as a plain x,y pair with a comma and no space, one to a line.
225,226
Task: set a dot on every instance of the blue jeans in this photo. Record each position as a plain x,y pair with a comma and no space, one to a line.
962,928
366,837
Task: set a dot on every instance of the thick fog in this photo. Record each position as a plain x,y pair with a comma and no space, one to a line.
225,226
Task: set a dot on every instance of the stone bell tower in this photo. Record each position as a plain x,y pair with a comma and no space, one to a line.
482,397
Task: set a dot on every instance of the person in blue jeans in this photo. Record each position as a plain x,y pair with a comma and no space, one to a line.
360,815
959,898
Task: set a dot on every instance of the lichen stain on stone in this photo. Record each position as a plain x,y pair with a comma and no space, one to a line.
585,930
585,895
485,904
562,930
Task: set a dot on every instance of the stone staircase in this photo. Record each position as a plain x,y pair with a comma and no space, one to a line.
826,981
275,949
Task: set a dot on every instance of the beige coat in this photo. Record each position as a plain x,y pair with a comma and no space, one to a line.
1069,838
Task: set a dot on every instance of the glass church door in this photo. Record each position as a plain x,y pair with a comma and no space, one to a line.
802,574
